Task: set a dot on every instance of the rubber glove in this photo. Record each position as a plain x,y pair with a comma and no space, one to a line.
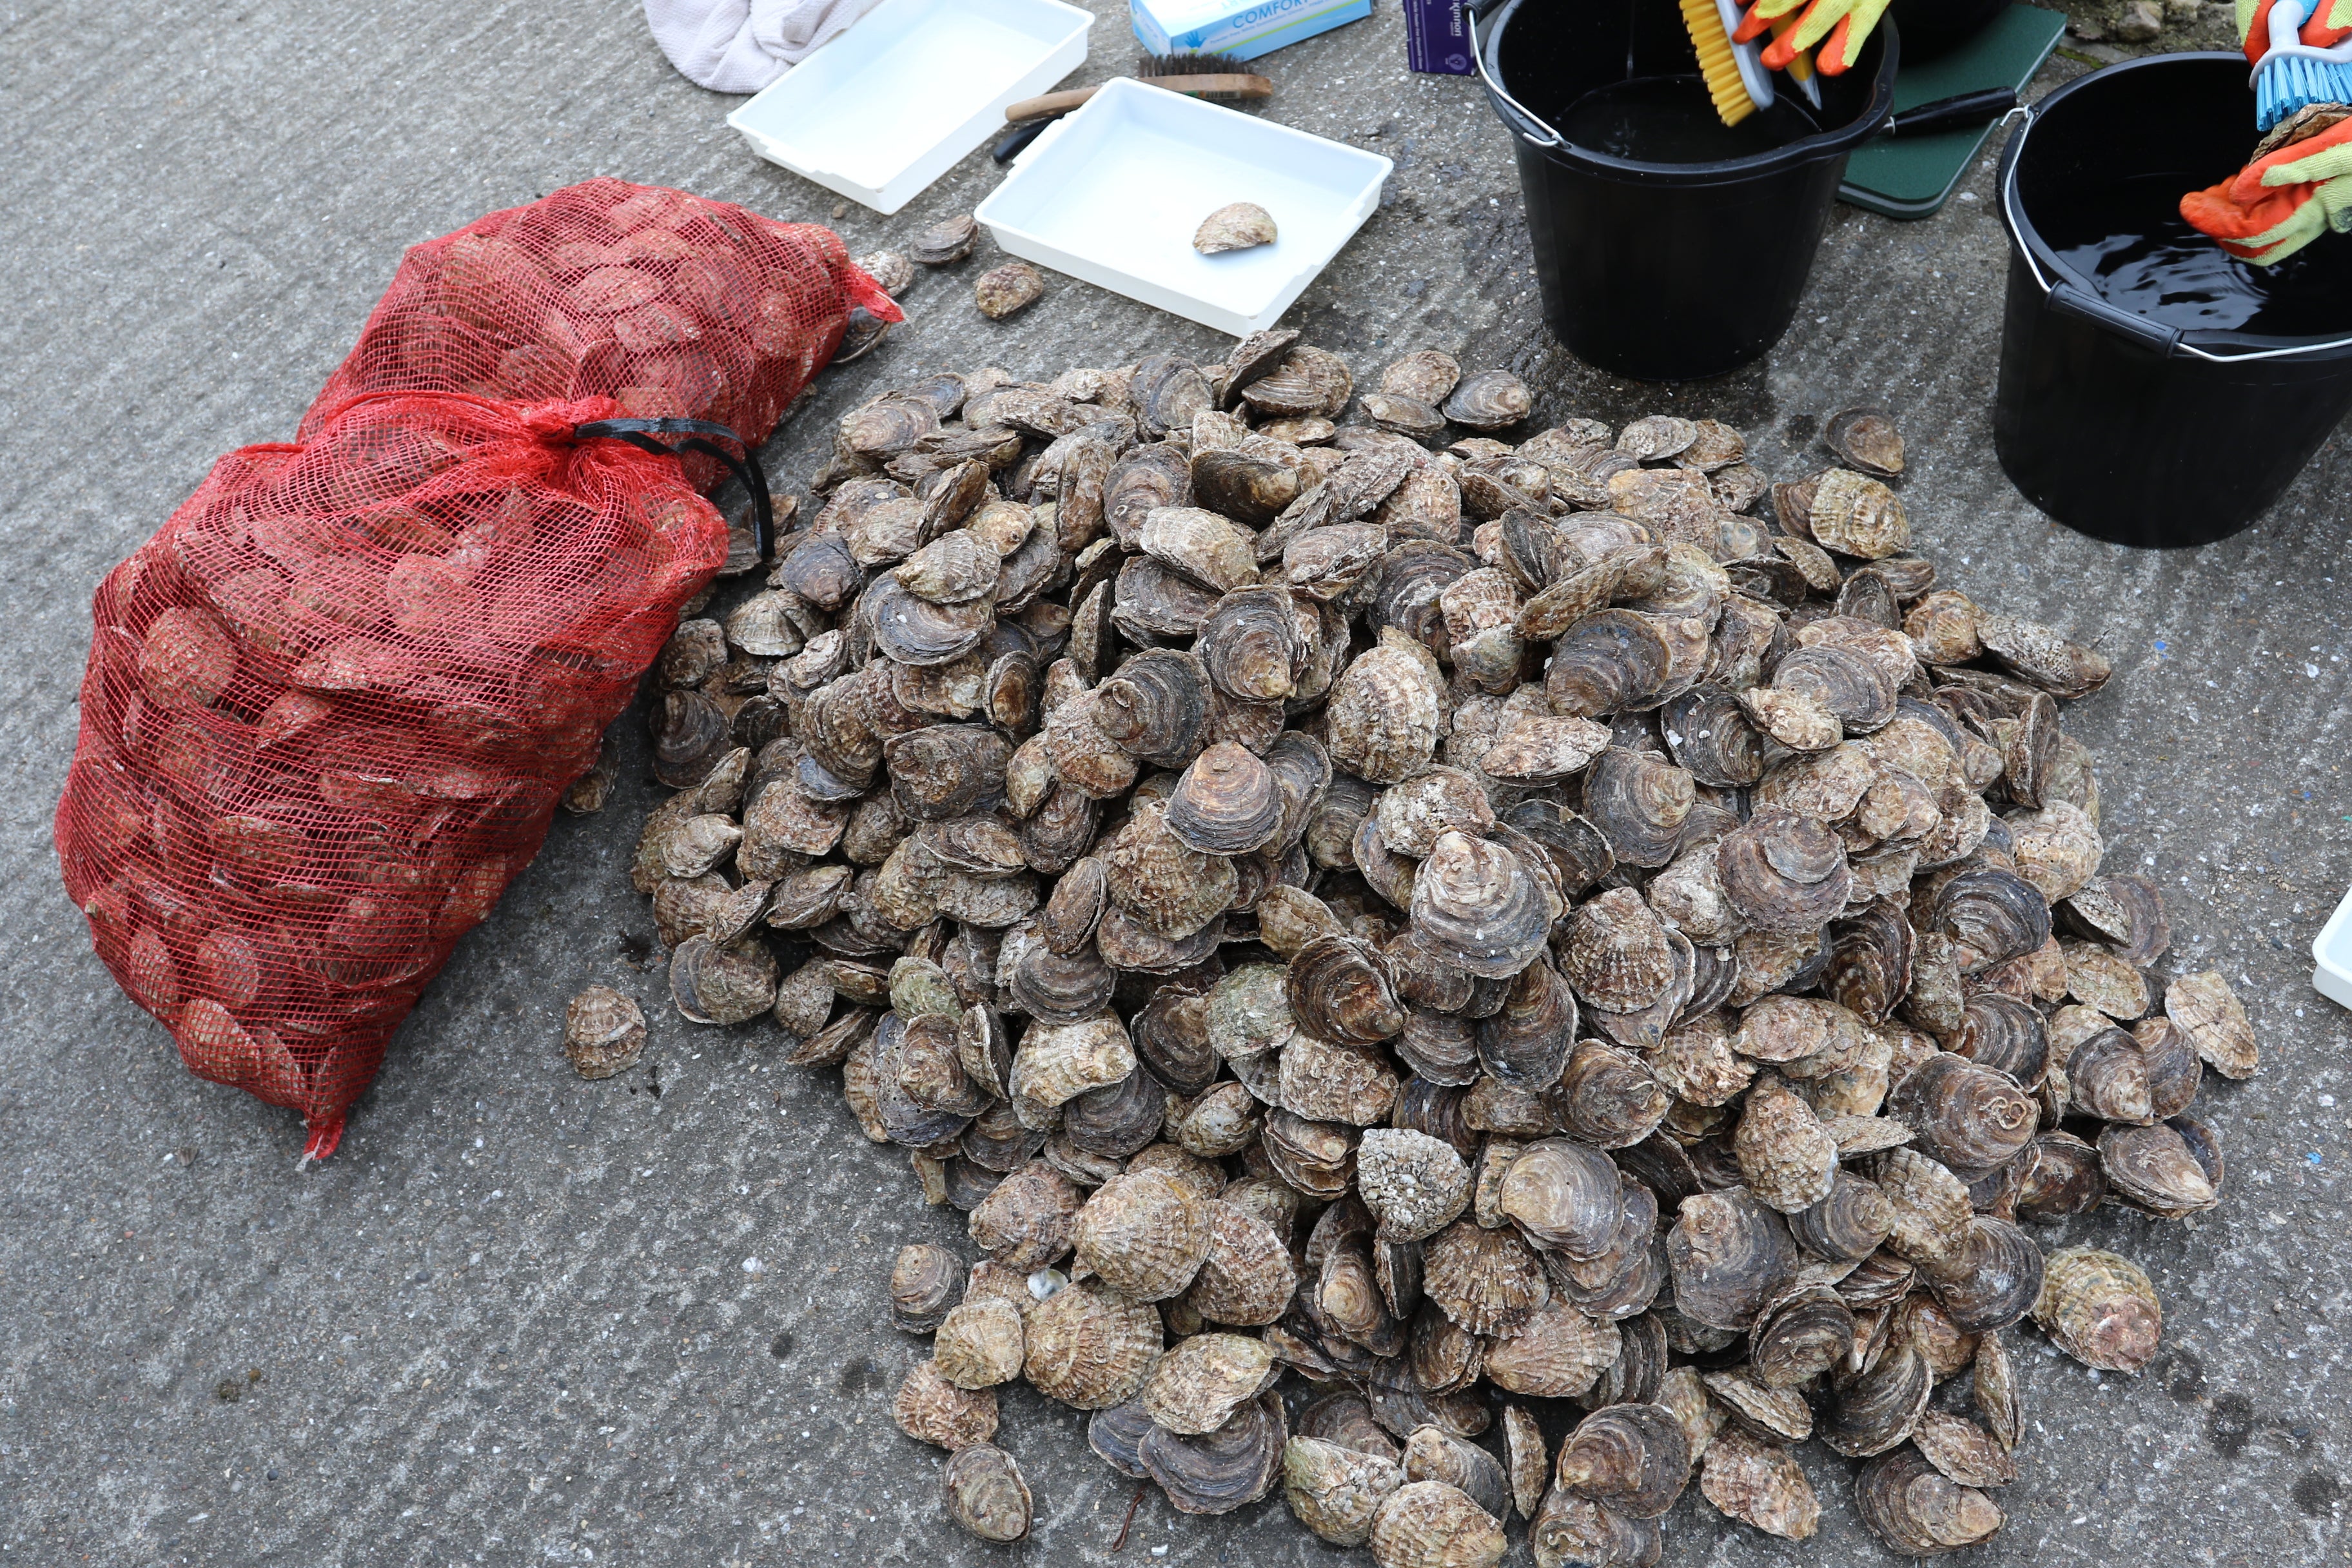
1845,24
2282,200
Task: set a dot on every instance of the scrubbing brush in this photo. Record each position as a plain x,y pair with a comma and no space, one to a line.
2294,75
1205,76
1736,78
1800,69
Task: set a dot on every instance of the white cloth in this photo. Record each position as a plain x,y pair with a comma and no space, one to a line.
742,45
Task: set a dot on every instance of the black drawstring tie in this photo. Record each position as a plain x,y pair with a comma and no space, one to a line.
640,434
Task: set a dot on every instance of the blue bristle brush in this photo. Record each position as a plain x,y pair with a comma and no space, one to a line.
2293,73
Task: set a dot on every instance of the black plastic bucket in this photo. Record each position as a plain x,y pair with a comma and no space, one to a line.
2125,428
1664,271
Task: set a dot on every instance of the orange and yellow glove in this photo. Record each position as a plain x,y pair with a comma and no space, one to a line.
2281,202
1845,25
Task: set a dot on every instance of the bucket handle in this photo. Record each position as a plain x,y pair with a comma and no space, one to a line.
2069,300
1513,112
2084,305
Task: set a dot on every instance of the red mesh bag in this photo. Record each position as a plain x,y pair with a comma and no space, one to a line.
331,706
672,305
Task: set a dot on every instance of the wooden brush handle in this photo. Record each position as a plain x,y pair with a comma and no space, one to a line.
1228,84
1045,108
1221,84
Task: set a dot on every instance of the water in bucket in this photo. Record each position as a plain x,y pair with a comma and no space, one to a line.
1670,119
1640,205
2127,240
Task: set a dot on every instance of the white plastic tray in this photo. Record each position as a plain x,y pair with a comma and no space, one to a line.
893,103
1113,192
2332,951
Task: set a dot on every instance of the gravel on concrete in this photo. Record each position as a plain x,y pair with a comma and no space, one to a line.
522,1318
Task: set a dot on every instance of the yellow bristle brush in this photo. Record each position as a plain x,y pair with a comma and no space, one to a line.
1736,78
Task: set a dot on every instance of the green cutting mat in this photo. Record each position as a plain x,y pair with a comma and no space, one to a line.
1913,177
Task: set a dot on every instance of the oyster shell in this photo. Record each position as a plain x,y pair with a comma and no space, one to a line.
1237,225
2205,1007
1028,1222
1848,1223
1867,441
1993,1386
1963,1450
930,1409
2099,1308
979,1344
1557,1353
2169,1169
1382,717
924,1281
1856,515
1633,1457
1428,1524
1799,1333
1785,873
2059,1174
1775,1415
1525,1044
1615,953
1413,1183
1088,1346
1785,1157
1246,1277
1990,1280
945,242
1728,1254
1525,1461
1144,1234
1199,1383
1969,1116
1489,400
1760,1484
1874,1411
1571,1529
1565,1196
985,1494
1057,1062
1335,1490
1219,1471
1488,1281
1919,1512
1338,989
604,1033
1476,905
1006,291
1432,1454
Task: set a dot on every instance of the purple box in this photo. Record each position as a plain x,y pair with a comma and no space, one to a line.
1436,37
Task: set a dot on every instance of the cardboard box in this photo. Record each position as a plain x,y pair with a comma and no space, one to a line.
1244,29
1436,37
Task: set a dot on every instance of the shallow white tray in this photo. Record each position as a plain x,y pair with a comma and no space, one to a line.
1113,192
2332,951
896,102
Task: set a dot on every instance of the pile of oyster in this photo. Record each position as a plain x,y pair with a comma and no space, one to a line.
1571,945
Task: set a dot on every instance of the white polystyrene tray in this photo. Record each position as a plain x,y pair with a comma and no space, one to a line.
894,103
1113,192
2332,951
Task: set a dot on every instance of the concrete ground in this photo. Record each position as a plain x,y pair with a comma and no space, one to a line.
516,1317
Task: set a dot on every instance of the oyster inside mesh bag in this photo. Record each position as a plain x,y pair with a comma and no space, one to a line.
675,305
329,708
